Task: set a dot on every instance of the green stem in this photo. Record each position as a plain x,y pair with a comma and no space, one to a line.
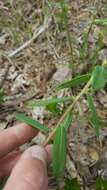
83,91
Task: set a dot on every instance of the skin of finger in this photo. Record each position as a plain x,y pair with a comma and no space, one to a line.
48,148
30,173
15,136
7,163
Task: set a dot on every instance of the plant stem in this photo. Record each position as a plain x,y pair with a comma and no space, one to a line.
70,44
66,24
83,91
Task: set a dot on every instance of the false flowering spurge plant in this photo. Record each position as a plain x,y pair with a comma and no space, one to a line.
91,82
95,81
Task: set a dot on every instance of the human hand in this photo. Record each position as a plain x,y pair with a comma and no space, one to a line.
28,170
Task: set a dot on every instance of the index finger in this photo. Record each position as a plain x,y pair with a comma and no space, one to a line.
15,136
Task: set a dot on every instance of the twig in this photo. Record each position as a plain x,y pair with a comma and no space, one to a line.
84,90
37,32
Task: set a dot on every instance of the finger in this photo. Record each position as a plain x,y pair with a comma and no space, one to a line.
15,136
7,163
48,148
30,172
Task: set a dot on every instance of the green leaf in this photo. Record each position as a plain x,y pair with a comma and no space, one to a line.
101,21
101,184
75,81
48,102
32,122
72,185
54,109
68,120
59,151
84,49
60,146
2,184
99,78
1,95
94,120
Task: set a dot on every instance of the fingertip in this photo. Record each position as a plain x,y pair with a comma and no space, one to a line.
30,172
48,149
36,152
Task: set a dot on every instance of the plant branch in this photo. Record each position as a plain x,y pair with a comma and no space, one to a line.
83,91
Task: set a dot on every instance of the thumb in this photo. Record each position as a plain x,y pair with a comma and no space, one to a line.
30,173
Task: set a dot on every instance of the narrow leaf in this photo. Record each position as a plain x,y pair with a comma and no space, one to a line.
85,44
1,95
54,109
60,146
101,21
48,102
75,82
99,76
59,151
94,120
68,120
2,184
32,122
84,48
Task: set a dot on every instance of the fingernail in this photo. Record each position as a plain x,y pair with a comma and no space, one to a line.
37,152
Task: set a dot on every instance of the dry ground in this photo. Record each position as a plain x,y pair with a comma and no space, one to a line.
35,57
